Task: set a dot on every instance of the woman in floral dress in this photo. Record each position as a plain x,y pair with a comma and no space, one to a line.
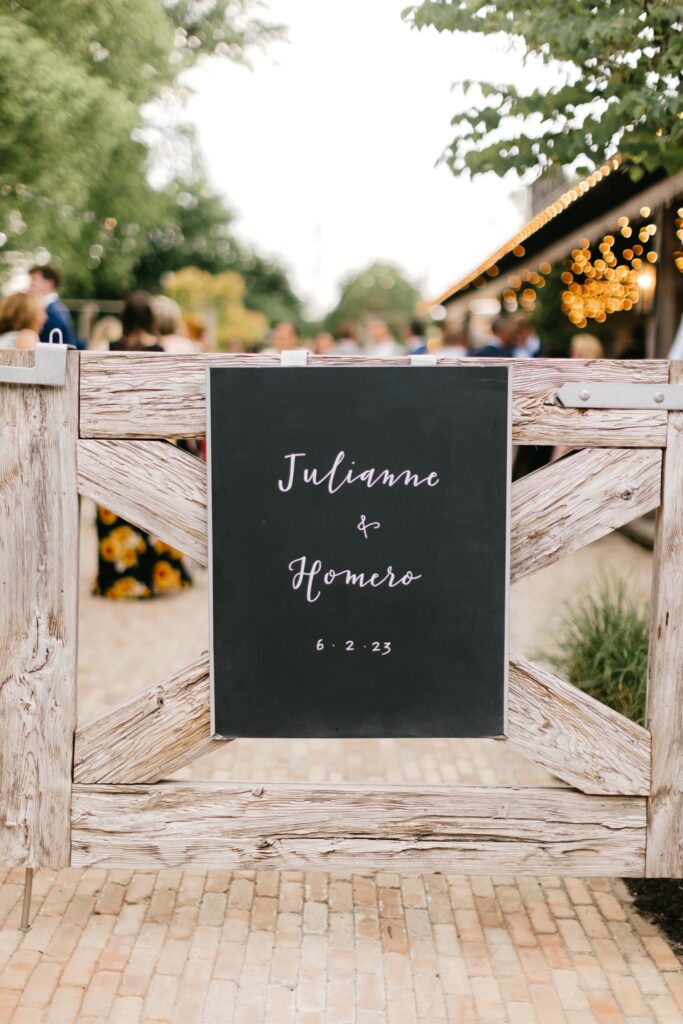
131,562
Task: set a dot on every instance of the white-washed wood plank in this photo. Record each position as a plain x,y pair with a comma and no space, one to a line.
38,616
359,828
665,682
575,737
152,734
130,394
573,502
152,484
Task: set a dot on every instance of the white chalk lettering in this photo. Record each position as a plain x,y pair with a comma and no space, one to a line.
308,578
340,475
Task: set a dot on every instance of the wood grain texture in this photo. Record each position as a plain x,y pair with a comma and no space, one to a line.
575,737
130,394
665,682
359,828
151,735
573,502
554,511
38,616
152,484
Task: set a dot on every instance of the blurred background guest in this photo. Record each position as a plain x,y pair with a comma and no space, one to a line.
454,344
195,327
167,319
527,342
284,338
22,316
381,343
324,344
586,346
416,342
45,280
106,330
235,346
138,326
347,339
503,339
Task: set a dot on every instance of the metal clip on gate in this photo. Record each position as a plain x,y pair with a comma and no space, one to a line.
49,367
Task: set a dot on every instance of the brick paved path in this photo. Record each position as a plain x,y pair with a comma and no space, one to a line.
285,947
277,948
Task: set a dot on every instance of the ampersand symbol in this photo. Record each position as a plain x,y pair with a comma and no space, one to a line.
364,526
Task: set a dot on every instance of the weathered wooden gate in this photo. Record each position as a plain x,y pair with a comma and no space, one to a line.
94,795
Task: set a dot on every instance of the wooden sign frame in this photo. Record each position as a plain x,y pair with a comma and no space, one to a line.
94,795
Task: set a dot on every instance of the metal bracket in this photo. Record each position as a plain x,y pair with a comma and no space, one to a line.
423,360
49,366
294,357
621,396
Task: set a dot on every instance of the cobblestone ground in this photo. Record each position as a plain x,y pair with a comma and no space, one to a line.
250,947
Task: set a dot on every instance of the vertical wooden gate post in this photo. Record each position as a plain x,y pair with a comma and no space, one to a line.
664,856
38,615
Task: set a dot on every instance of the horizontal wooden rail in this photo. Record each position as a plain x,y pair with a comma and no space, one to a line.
554,511
555,725
158,395
358,828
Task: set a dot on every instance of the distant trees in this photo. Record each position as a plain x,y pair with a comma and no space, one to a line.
380,289
220,299
620,63
197,232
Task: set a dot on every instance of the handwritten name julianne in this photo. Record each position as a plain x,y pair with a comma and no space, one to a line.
340,474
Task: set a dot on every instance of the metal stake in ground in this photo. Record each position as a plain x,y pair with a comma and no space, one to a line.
26,906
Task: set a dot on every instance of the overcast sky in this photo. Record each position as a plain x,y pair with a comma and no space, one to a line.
326,149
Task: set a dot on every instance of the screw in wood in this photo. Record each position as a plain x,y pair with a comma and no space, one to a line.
584,395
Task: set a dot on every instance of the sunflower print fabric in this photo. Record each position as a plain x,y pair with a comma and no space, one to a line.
134,565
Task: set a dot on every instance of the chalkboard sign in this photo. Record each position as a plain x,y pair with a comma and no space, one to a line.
359,550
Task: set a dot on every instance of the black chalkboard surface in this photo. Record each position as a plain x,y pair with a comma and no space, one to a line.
359,550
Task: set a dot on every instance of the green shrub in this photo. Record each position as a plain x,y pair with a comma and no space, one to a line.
603,647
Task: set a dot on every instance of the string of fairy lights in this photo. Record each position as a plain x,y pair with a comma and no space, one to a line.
607,277
611,276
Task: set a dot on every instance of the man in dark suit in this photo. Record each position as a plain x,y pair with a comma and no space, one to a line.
502,342
46,280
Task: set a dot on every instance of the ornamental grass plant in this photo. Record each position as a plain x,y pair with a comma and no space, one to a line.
602,647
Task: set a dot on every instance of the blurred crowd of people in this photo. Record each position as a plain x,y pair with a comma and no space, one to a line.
147,322
37,314
511,336
155,323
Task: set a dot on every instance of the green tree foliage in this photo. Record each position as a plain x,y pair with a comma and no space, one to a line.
76,79
197,232
381,290
621,61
